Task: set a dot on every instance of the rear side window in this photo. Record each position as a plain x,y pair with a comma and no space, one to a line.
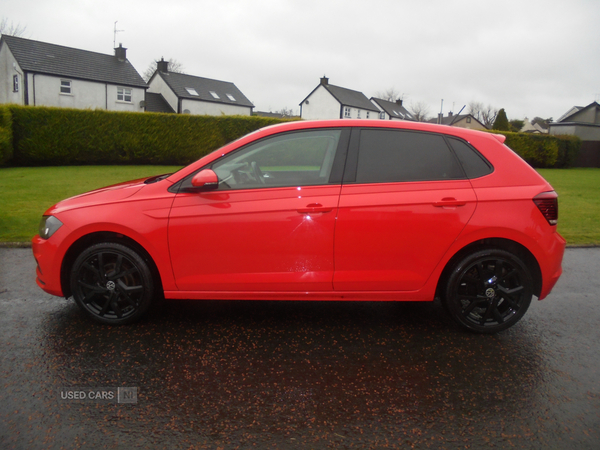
474,164
396,156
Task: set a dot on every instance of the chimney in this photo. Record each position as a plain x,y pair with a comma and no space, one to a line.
162,65
449,113
324,81
399,102
121,53
440,118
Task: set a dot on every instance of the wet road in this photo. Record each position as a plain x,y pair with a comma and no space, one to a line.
300,375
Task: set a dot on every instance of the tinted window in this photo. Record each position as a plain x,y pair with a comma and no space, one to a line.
292,159
473,163
393,156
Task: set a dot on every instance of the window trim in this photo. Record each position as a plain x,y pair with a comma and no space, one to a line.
15,83
347,112
124,95
65,86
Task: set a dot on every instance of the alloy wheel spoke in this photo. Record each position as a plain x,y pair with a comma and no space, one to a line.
104,309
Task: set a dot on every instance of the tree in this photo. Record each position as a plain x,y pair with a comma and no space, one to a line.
516,125
285,112
501,122
391,95
174,66
485,114
10,29
420,111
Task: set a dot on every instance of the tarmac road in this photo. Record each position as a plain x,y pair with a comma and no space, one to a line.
299,375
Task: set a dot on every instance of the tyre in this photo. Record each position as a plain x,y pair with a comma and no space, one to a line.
488,291
112,284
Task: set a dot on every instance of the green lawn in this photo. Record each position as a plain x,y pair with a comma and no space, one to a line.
25,193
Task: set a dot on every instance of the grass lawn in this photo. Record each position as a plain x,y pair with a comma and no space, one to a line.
25,193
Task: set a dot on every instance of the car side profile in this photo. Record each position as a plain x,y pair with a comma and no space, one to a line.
324,210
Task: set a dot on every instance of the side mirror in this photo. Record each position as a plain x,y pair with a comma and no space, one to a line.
206,178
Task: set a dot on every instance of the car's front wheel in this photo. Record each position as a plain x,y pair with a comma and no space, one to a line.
112,283
488,291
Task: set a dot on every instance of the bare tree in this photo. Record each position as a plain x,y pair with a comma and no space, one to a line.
391,95
10,29
174,66
420,111
285,112
485,114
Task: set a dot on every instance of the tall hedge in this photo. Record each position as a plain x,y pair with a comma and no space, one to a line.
57,136
6,140
543,150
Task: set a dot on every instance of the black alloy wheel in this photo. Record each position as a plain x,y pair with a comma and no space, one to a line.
489,291
112,283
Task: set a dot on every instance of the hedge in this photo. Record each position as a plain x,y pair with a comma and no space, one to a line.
544,151
44,136
6,141
57,136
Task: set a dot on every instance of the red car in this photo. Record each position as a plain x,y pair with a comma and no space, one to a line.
327,210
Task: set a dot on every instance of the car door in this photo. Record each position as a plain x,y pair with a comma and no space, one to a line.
269,225
404,200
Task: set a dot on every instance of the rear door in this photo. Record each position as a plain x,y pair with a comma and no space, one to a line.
404,200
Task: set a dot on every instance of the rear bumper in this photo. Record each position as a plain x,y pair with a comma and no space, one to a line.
551,265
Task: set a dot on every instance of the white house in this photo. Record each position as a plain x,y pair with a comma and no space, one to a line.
42,74
187,94
392,110
327,101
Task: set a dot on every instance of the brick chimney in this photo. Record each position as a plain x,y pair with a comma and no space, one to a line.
121,53
399,102
324,81
162,65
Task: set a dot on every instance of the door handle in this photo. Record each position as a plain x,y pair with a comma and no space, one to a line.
312,208
449,202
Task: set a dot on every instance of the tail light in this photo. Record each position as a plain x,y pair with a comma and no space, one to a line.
547,203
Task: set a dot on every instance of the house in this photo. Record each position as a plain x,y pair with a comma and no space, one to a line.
532,128
583,122
187,94
459,120
327,101
392,110
42,74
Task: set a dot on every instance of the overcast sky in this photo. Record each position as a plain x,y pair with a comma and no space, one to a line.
532,58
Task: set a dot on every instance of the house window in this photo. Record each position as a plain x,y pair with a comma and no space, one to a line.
65,86
367,114
468,120
382,115
15,83
230,97
214,94
347,112
192,91
124,95
358,114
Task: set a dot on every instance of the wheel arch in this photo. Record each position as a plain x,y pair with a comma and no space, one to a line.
104,236
494,243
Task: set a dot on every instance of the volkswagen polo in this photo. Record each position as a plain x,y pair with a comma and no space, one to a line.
324,210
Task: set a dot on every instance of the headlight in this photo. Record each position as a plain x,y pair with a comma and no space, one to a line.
48,226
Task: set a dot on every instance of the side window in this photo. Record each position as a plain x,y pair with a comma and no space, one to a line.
396,155
293,159
474,164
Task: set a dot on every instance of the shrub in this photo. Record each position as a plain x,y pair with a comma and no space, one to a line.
6,140
60,136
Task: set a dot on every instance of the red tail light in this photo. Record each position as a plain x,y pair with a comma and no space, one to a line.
547,203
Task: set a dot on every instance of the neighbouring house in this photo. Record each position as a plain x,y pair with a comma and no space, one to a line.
392,110
327,101
42,74
532,128
188,94
459,120
583,122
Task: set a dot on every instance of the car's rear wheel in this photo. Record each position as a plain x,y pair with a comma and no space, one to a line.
488,291
112,283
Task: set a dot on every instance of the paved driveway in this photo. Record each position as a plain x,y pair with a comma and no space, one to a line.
299,375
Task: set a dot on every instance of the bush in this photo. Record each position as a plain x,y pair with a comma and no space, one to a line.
56,136
6,140
544,151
